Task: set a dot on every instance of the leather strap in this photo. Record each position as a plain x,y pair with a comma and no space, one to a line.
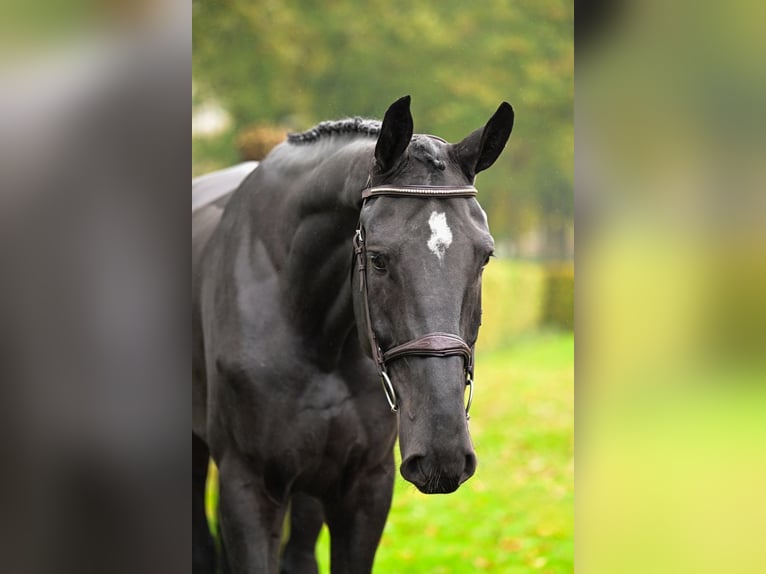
420,191
431,345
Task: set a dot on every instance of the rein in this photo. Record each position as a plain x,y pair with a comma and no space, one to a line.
432,344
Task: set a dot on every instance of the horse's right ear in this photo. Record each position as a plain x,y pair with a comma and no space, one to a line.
395,134
480,149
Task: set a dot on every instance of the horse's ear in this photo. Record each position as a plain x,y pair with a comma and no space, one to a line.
479,150
395,134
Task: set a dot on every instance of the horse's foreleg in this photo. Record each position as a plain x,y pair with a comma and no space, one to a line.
356,520
203,550
306,520
250,520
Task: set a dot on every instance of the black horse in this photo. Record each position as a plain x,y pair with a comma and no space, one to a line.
350,258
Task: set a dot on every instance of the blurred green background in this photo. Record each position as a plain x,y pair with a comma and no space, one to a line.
261,69
671,289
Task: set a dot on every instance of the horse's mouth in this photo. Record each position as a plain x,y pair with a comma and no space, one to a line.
434,482
439,485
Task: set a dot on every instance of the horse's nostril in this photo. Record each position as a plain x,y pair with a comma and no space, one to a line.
470,467
411,469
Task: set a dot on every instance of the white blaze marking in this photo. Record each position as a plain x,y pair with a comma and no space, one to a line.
441,234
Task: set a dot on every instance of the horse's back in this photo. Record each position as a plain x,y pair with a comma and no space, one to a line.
212,187
210,194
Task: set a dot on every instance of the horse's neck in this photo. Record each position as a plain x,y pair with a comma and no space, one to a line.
316,277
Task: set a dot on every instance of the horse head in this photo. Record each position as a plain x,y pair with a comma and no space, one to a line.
422,243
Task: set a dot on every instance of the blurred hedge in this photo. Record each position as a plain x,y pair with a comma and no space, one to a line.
512,296
521,296
559,295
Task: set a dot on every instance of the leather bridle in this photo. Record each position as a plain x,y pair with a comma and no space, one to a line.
436,344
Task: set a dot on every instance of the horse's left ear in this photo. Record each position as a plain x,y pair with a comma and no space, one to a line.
395,134
479,150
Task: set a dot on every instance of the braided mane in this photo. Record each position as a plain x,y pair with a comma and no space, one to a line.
336,127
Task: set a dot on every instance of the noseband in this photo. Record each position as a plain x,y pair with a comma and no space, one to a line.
432,344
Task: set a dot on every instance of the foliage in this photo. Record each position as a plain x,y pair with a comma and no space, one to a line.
254,143
298,62
210,154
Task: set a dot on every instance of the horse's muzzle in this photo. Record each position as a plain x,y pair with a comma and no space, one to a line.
430,478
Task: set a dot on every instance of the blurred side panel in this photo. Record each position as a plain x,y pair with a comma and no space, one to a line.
93,259
671,289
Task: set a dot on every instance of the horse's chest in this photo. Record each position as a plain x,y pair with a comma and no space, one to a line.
293,412
323,435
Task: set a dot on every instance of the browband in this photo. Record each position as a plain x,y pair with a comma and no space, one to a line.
420,191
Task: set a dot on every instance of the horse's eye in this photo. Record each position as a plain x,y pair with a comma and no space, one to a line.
378,262
487,260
